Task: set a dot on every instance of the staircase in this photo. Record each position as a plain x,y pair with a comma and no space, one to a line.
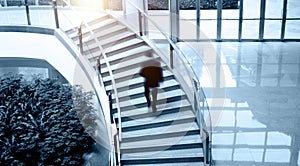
168,137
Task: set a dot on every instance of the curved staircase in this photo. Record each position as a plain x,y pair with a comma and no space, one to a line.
170,136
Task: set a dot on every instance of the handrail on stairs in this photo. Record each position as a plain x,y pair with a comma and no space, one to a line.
118,134
80,38
195,93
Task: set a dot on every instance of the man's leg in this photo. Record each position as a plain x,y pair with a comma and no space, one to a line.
147,95
154,97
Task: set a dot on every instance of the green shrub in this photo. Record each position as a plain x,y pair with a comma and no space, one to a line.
39,123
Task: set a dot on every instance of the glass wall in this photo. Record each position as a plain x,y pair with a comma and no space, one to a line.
273,22
261,20
208,23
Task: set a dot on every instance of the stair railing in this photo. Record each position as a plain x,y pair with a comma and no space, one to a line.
115,142
207,127
178,62
80,38
54,3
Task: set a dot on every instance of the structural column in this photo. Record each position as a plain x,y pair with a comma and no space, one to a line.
198,19
219,19
174,20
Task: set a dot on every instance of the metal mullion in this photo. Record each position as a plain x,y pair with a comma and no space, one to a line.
283,23
241,20
273,19
251,19
262,19
293,19
219,20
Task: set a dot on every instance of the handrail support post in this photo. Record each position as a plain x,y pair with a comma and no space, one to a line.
27,12
110,107
80,38
55,13
207,150
171,56
140,22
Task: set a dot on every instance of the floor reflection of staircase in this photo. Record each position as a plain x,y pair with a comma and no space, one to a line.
169,137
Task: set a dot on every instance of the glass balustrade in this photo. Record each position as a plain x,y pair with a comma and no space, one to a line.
183,65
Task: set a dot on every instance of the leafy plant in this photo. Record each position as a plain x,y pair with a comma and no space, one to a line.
39,124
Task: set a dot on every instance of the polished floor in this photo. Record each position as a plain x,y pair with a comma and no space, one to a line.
254,102
254,98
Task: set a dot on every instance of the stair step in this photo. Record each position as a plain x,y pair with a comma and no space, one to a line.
127,64
158,124
162,109
173,128
196,163
131,75
139,92
162,142
122,47
142,103
167,161
86,30
162,135
97,26
177,94
152,120
93,54
136,82
129,54
111,40
71,31
102,16
180,153
105,34
185,144
166,85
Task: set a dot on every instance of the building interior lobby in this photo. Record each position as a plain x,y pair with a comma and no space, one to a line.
247,61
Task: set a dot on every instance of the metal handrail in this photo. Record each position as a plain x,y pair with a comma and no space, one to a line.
209,132
111,75
188,67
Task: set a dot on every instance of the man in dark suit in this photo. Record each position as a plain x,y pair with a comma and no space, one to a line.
152,72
